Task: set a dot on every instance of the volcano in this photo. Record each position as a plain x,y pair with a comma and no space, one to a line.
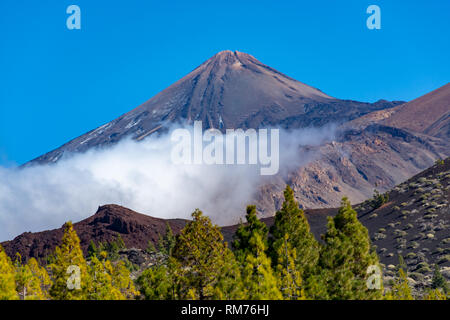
230,90
378,145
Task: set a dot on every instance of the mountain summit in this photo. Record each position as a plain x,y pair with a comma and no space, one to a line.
229,90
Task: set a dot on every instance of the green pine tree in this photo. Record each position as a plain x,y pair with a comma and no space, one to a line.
435,294
43,277
92,250
288,275
159,282
69,269
166,243
401,289
201,253
345,259
229,281
7,278
245,232
291,221
101,285
121,280
258,278
402,264
150,247
439,281
32,281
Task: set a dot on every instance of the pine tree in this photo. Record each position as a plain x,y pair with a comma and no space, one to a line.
7,278
101,285
92,250
400,290
229,281
42,274
121,279
439,281
291,221
245,232
69,269
288,275
32,281
150,247
258,277
402,264
112,248
346,257
157,283
166,243
200,251
169,239
435,294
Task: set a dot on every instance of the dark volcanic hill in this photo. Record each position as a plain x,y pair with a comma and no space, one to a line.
230,90
104,226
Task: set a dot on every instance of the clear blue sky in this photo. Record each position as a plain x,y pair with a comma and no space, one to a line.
56,84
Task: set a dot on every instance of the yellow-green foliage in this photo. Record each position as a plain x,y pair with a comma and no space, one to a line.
400,289
101,285
290,264
259,280
203,257
68,261
288,275
32,281
7,278
345,259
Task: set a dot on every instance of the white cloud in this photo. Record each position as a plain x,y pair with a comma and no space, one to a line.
140,176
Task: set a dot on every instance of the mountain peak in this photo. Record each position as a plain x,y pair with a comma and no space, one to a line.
228,57
232,89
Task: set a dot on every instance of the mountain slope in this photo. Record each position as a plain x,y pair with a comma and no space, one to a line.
230,90
428,114
360,160
377,150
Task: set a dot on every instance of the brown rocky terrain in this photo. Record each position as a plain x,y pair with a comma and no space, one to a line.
377,150
105,225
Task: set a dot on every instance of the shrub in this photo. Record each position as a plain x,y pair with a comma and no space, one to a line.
444,259
424,270
379,199
416,276
411,255
409,226
413,245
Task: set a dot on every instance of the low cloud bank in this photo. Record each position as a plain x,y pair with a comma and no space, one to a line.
142,177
